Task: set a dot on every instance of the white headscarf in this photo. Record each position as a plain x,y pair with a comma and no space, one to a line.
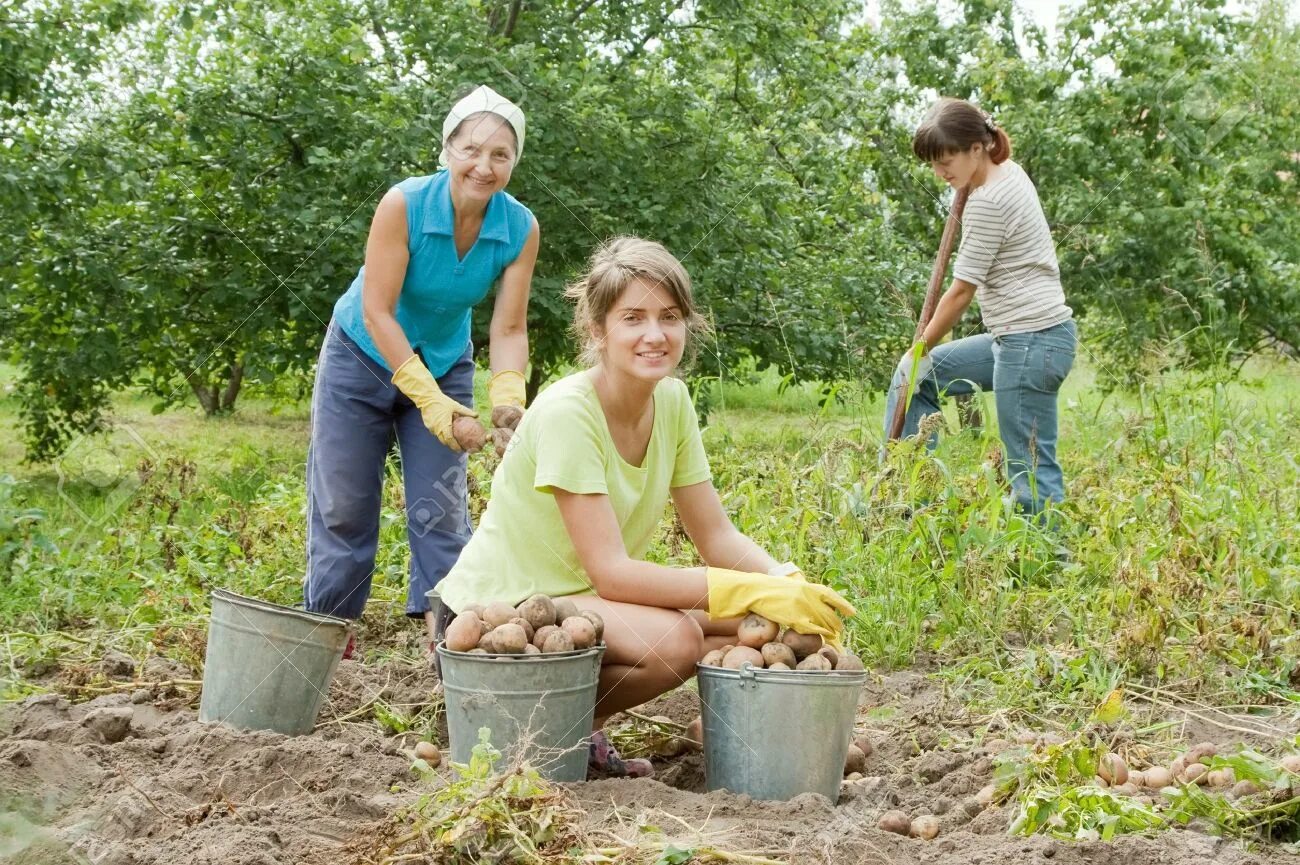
484,99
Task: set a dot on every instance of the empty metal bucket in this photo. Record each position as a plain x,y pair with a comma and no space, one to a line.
268,667
538,707
774,734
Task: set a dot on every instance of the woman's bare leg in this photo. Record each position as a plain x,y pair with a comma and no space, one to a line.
648,651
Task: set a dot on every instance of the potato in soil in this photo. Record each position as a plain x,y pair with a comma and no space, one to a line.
464,632
741,655
778,653
896,822
695,733
429,753
1157,777
538,611
855,760
924,827
755,631
864,745
803,645
1113,768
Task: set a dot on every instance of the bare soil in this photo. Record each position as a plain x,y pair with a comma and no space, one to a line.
132,778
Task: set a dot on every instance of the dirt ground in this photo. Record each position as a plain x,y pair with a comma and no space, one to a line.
132,778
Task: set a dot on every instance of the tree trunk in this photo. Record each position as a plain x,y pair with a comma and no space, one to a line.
214,398
536,379
232,385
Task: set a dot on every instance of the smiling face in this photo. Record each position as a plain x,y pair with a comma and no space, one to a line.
959,169
644,332
481,156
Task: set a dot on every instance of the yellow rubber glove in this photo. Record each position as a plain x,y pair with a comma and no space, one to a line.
507,388
809,608
438,410
791,571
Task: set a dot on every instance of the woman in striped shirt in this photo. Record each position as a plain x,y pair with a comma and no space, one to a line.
1006,262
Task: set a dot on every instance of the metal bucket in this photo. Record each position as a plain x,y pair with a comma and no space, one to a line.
774,734
268,667
536,707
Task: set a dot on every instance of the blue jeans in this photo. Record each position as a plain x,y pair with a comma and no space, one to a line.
356,412
1025,372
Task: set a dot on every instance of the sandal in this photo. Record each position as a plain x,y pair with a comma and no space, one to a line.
604,760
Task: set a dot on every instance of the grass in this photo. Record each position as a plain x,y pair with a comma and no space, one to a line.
1183,569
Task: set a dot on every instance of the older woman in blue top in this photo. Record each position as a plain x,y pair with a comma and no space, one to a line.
398,361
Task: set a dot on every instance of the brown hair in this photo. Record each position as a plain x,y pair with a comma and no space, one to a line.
953,126
612,268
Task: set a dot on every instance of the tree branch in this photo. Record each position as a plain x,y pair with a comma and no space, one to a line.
583,7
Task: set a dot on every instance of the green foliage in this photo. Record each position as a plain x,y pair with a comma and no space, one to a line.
187,192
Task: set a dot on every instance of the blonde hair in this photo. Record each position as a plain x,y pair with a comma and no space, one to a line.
610,270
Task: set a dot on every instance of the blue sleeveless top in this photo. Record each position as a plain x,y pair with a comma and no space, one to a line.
441,288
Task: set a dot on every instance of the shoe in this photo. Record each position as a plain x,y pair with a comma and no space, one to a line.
351,648
604,760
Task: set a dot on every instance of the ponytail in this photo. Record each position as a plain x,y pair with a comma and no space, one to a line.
954,125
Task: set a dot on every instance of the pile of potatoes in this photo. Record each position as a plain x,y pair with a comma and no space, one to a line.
1193,767
924,827
760,643
539,626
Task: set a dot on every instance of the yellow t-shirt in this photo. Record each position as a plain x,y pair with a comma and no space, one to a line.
521,546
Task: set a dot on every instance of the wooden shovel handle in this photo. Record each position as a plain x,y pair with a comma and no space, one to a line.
932,293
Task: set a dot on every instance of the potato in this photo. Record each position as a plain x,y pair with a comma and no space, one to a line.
558,641
779,665
849,663
510,639
814,662
530,649
803,645
538,611
497,614
1113,768
469,434
476,609
580,630
1221,777
1128,788
428,752
1291,763
829,653
464,632
986,795
853,776
896,822
564,608
477,651
695,734
523,623
855,760
924,827
1245,788
1197,773
755,631
540,635
488,642
1157,777
1137,778
778,653
1177,766
1202,753
506,416
596,622
712,659
741,655
1101,782
864,745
